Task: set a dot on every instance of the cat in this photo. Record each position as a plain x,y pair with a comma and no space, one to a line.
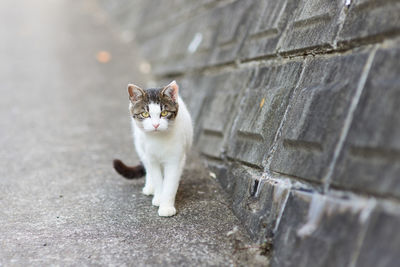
162,133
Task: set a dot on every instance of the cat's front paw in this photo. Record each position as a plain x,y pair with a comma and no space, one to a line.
156,201
148,190
166,211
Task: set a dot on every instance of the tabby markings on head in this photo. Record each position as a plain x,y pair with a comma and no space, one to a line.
153,109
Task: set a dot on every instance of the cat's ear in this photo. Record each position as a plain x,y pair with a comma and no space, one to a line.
171,90
135,92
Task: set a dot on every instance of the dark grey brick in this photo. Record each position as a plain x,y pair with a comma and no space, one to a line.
316,116
197,91
176,57
262,111
194,90
270,20
317,231
221,109
314,25
234,23
258,209
371,19
370,160
382,241
157,17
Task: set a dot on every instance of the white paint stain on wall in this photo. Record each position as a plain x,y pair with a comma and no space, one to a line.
194,44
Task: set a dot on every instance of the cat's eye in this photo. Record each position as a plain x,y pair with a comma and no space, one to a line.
145,114
164,113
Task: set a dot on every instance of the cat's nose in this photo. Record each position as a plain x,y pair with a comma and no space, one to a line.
156,125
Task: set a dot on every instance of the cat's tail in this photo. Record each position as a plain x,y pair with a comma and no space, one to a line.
127,171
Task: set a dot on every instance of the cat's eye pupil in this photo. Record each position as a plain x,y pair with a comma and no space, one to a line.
164,113
145,114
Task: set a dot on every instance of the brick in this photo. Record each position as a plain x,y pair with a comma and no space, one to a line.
370,19
314,25
221,109
381,244
316,116
262,111
234,23
172,54
197,92
370,160
258,211
270,20
156,18
317,231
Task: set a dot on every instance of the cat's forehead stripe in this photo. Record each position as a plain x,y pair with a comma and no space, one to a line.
154,95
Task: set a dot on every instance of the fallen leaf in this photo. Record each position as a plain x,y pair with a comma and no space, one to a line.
262,102
103,56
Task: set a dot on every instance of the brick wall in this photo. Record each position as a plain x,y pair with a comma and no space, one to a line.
297,111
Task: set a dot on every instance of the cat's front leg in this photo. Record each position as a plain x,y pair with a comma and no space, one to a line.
172,175
154,181
148,188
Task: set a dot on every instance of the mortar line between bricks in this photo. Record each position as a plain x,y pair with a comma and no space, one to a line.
360,240
316,187
267,176
392,199
278,133
233,120
291,55
349,119
283,120
282,209
341,20
185,16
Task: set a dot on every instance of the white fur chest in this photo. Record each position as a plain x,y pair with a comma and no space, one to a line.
158,146
161,147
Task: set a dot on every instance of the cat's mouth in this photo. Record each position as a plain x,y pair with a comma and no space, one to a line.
154,131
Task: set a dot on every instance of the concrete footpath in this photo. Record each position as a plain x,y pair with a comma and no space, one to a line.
63,118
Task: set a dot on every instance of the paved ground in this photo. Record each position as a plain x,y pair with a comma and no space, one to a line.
63,118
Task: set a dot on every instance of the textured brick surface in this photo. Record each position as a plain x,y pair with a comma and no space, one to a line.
372,148
258,203
316,116
316,230
313,26
368,19
214,127
270,20
382,241
263,108
231,32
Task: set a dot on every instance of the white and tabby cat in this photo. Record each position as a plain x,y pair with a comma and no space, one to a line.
162,132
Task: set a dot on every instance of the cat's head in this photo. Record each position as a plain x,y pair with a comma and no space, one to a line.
154,109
